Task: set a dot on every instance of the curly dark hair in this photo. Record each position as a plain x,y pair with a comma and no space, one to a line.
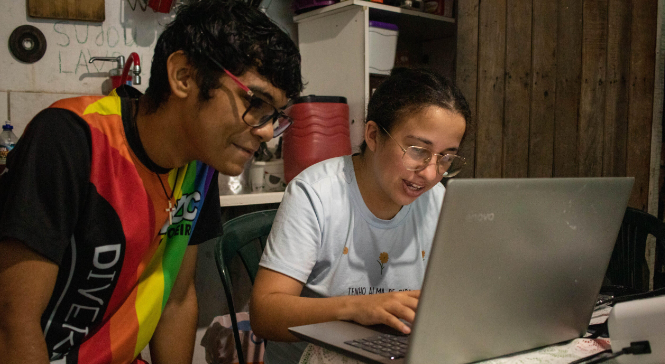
408,91
237,36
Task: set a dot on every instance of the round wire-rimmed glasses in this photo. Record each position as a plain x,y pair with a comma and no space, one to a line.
418,158
259,110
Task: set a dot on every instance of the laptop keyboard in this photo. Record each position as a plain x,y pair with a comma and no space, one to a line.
386,345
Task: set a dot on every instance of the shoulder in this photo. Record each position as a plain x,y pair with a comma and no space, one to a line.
329,170
66,115
79,104
322,184
57,126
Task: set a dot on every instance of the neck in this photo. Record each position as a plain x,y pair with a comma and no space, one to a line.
376,200
159,134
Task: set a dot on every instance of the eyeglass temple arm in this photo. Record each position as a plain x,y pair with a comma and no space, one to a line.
234,78
391,137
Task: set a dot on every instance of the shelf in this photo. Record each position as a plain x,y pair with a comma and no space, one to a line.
411,24
251,199
372,5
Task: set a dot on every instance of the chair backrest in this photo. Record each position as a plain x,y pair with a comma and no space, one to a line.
240,238
628,267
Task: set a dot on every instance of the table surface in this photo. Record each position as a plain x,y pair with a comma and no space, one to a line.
558,354
555,354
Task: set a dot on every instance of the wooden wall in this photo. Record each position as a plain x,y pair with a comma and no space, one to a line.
559,88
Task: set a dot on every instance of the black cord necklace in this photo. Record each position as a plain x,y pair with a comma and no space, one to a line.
171,209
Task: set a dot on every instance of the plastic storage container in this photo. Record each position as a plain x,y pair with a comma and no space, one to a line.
320,131
302,6
382,47
7,141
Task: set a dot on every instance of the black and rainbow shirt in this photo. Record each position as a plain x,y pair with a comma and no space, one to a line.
78,193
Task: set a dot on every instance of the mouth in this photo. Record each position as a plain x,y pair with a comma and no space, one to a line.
249,151
412,189
413,186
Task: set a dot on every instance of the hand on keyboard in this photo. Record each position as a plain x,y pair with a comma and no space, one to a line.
394,309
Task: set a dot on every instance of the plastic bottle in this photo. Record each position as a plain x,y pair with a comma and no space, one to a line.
7,141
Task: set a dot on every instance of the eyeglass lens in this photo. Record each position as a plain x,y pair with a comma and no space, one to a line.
260,113
282,123
417,159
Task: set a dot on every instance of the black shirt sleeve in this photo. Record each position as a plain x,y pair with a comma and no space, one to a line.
47,176
209,224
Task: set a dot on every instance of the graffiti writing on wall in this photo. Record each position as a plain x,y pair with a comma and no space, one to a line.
77,43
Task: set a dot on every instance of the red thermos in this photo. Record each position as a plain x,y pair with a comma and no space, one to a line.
320,131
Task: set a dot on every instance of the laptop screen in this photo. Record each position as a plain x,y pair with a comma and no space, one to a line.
516,264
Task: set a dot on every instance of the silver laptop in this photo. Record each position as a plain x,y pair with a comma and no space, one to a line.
516,264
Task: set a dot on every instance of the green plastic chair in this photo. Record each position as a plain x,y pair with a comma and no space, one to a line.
239,238
628,271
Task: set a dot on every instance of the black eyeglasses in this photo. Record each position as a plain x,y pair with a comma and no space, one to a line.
259,112
418,158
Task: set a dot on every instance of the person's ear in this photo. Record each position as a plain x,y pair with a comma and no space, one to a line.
180,74
371,135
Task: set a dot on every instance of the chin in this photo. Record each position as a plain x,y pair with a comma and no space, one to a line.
229,169
403,201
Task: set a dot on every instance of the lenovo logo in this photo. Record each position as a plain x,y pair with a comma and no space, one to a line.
480,217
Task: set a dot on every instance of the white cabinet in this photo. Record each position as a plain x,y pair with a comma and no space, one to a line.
334,45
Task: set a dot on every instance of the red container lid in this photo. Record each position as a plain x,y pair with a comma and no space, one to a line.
325,99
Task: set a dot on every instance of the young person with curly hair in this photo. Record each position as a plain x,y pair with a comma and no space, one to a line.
352,236
105,198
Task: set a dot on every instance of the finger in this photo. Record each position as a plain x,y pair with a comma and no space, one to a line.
396,324
415,294
403,312
408,301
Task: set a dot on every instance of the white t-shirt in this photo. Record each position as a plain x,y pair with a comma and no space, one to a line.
325,237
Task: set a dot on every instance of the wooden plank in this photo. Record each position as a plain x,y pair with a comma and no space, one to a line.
518,86
88,10
568,73
467,75
640,93
655,175
543,89
491,68
616,99
592,103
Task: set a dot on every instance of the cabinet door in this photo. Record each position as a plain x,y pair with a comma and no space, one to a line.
334,61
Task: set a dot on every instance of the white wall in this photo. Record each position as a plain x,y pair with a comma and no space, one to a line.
64,70
70,44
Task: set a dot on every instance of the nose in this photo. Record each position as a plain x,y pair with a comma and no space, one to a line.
264,132
429,172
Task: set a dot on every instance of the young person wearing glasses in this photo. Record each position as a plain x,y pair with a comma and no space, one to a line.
352,236
105,198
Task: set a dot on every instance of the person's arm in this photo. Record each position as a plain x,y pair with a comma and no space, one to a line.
276,305
26,283
173,341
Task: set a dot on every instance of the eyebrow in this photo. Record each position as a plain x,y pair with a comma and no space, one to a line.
429,143
261,91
